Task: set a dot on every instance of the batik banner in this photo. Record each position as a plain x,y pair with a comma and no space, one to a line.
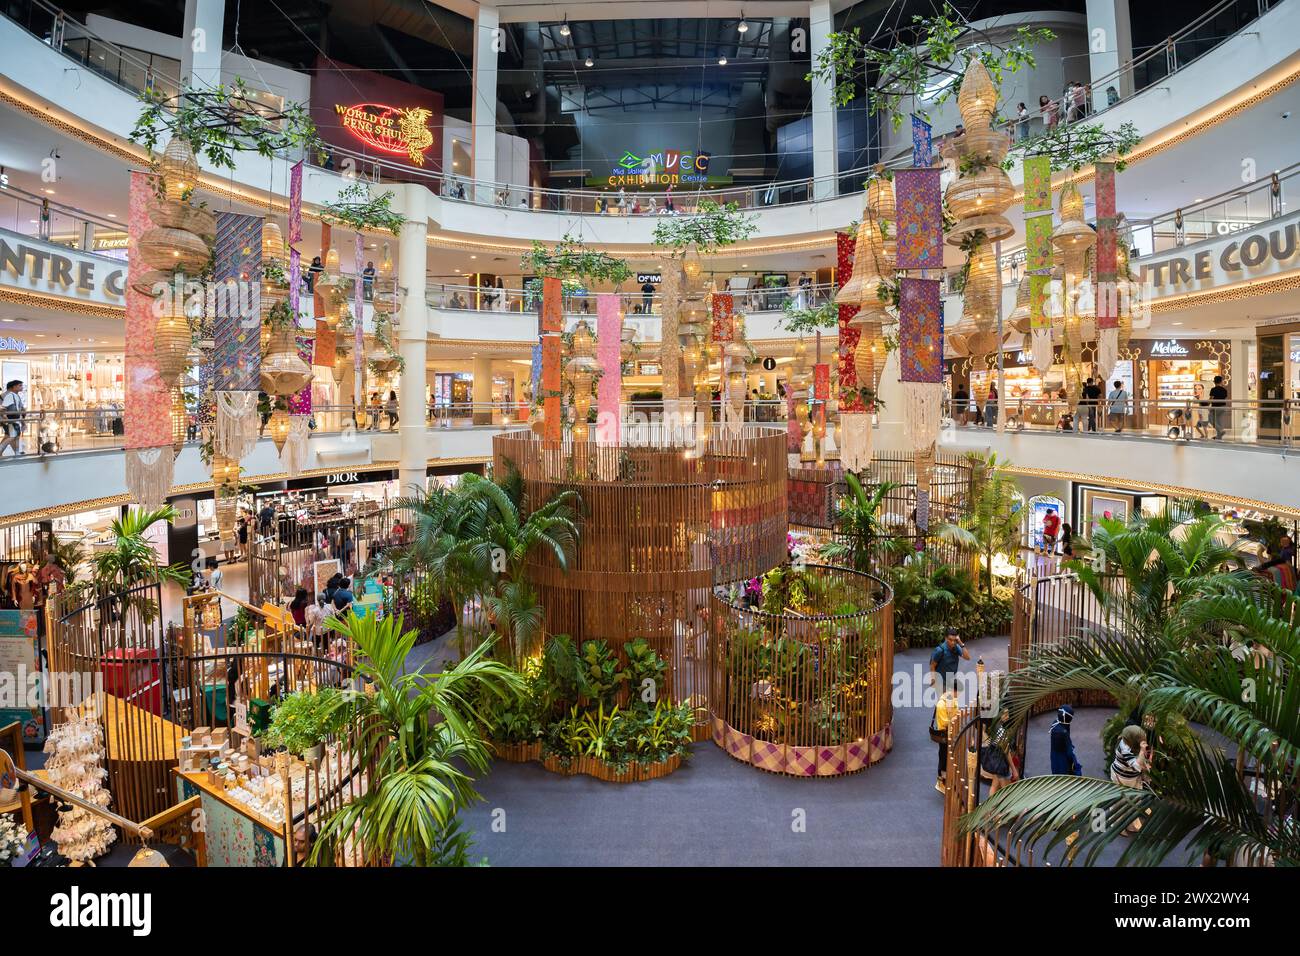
723,309
1107,258
1038,243
295,235
922,144
609,353
551,387
1038,183
1038,317
300,403
535,373
920,218
552,305
920,331
237,325
849,334
359,327
326,345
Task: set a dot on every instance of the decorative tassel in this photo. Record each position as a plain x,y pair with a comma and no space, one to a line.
235,434
294,453
922,510
1040,344
1107,351
855,451
922,412
149,475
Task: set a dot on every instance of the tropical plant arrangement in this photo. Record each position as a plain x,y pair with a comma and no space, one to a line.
585,709
571,259
131,561
358,209
301,722
420,736
990,524
859,526
217,123
931,595
922,61
1191,643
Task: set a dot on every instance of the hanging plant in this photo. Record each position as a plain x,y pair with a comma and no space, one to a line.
571,259
218,123
357,209
1074,146
802,321
713,227
920,61
384,338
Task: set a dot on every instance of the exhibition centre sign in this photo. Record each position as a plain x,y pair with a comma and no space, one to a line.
390,129
667,167
1266,249
47,268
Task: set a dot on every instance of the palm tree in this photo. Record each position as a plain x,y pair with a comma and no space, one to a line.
418,737
991,524
1224,661
132,561
857,523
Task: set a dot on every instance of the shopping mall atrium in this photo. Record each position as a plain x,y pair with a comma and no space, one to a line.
438,432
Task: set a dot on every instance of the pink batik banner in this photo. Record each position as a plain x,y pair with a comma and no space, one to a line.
609,355
146,414
1107,254
850,400
919,202
295,235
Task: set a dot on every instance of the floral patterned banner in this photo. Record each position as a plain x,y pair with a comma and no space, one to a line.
1038,317
920,218
722,309
1107,258
922,145
849,334
146,415
552,305
1038,183
326,344
920,331
295,235
553,426
359,346
609,353
236,332
300,403
1038,242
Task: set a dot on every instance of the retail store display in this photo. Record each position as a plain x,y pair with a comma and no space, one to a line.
76,763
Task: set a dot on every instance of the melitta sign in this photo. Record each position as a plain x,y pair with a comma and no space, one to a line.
391,129
1168,347
1264,250
33,265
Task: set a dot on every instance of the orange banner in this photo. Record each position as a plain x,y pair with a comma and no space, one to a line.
552,305
325,345
553,429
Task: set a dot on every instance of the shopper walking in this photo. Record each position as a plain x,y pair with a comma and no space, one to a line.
1219,408
991,407
1131,764
1091,399
1117,406
390,409
12,408
946,659
1051,526
961,405
945,712
1061,747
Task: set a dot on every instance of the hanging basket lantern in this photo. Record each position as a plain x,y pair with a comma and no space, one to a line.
272,241
174,249
171,344
277,426
180,170
283,372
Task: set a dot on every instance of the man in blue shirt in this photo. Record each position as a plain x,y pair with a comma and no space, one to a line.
945,659
1063,759
343,596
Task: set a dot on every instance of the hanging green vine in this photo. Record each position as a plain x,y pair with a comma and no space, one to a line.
901,65
711,228
220,122
1076,145
803,321
356,208
571,259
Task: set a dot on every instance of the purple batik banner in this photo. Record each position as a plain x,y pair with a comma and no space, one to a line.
920,330
295,235
922,145
920,218
609,350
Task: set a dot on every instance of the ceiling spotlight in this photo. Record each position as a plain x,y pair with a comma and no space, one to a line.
564,27
742,27
722,61
589,61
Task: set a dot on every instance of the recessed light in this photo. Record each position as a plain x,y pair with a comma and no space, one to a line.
112,215
1177,323
722,61
40,335
50,191
1198,199
8,320
589,61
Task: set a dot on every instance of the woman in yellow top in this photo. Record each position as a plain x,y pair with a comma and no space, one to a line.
945,712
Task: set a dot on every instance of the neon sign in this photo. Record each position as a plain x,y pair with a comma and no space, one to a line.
390,129
665,168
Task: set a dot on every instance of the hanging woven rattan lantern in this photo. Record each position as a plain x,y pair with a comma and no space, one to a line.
272,241
173,249
283,372
277,426
180,419
332,261
171,343
180,170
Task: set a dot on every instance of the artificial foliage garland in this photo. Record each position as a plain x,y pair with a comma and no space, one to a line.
357,209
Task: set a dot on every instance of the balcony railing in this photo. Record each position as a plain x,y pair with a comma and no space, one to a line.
454,297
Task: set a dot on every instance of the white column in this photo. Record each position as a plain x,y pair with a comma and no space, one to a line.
1110,46
820,23
201,44
486,47
412,341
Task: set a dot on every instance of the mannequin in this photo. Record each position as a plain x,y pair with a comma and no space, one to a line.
23,587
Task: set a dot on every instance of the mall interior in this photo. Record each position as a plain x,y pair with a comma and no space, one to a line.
423,414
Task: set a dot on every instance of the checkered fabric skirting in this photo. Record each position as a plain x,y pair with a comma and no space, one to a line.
803,761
